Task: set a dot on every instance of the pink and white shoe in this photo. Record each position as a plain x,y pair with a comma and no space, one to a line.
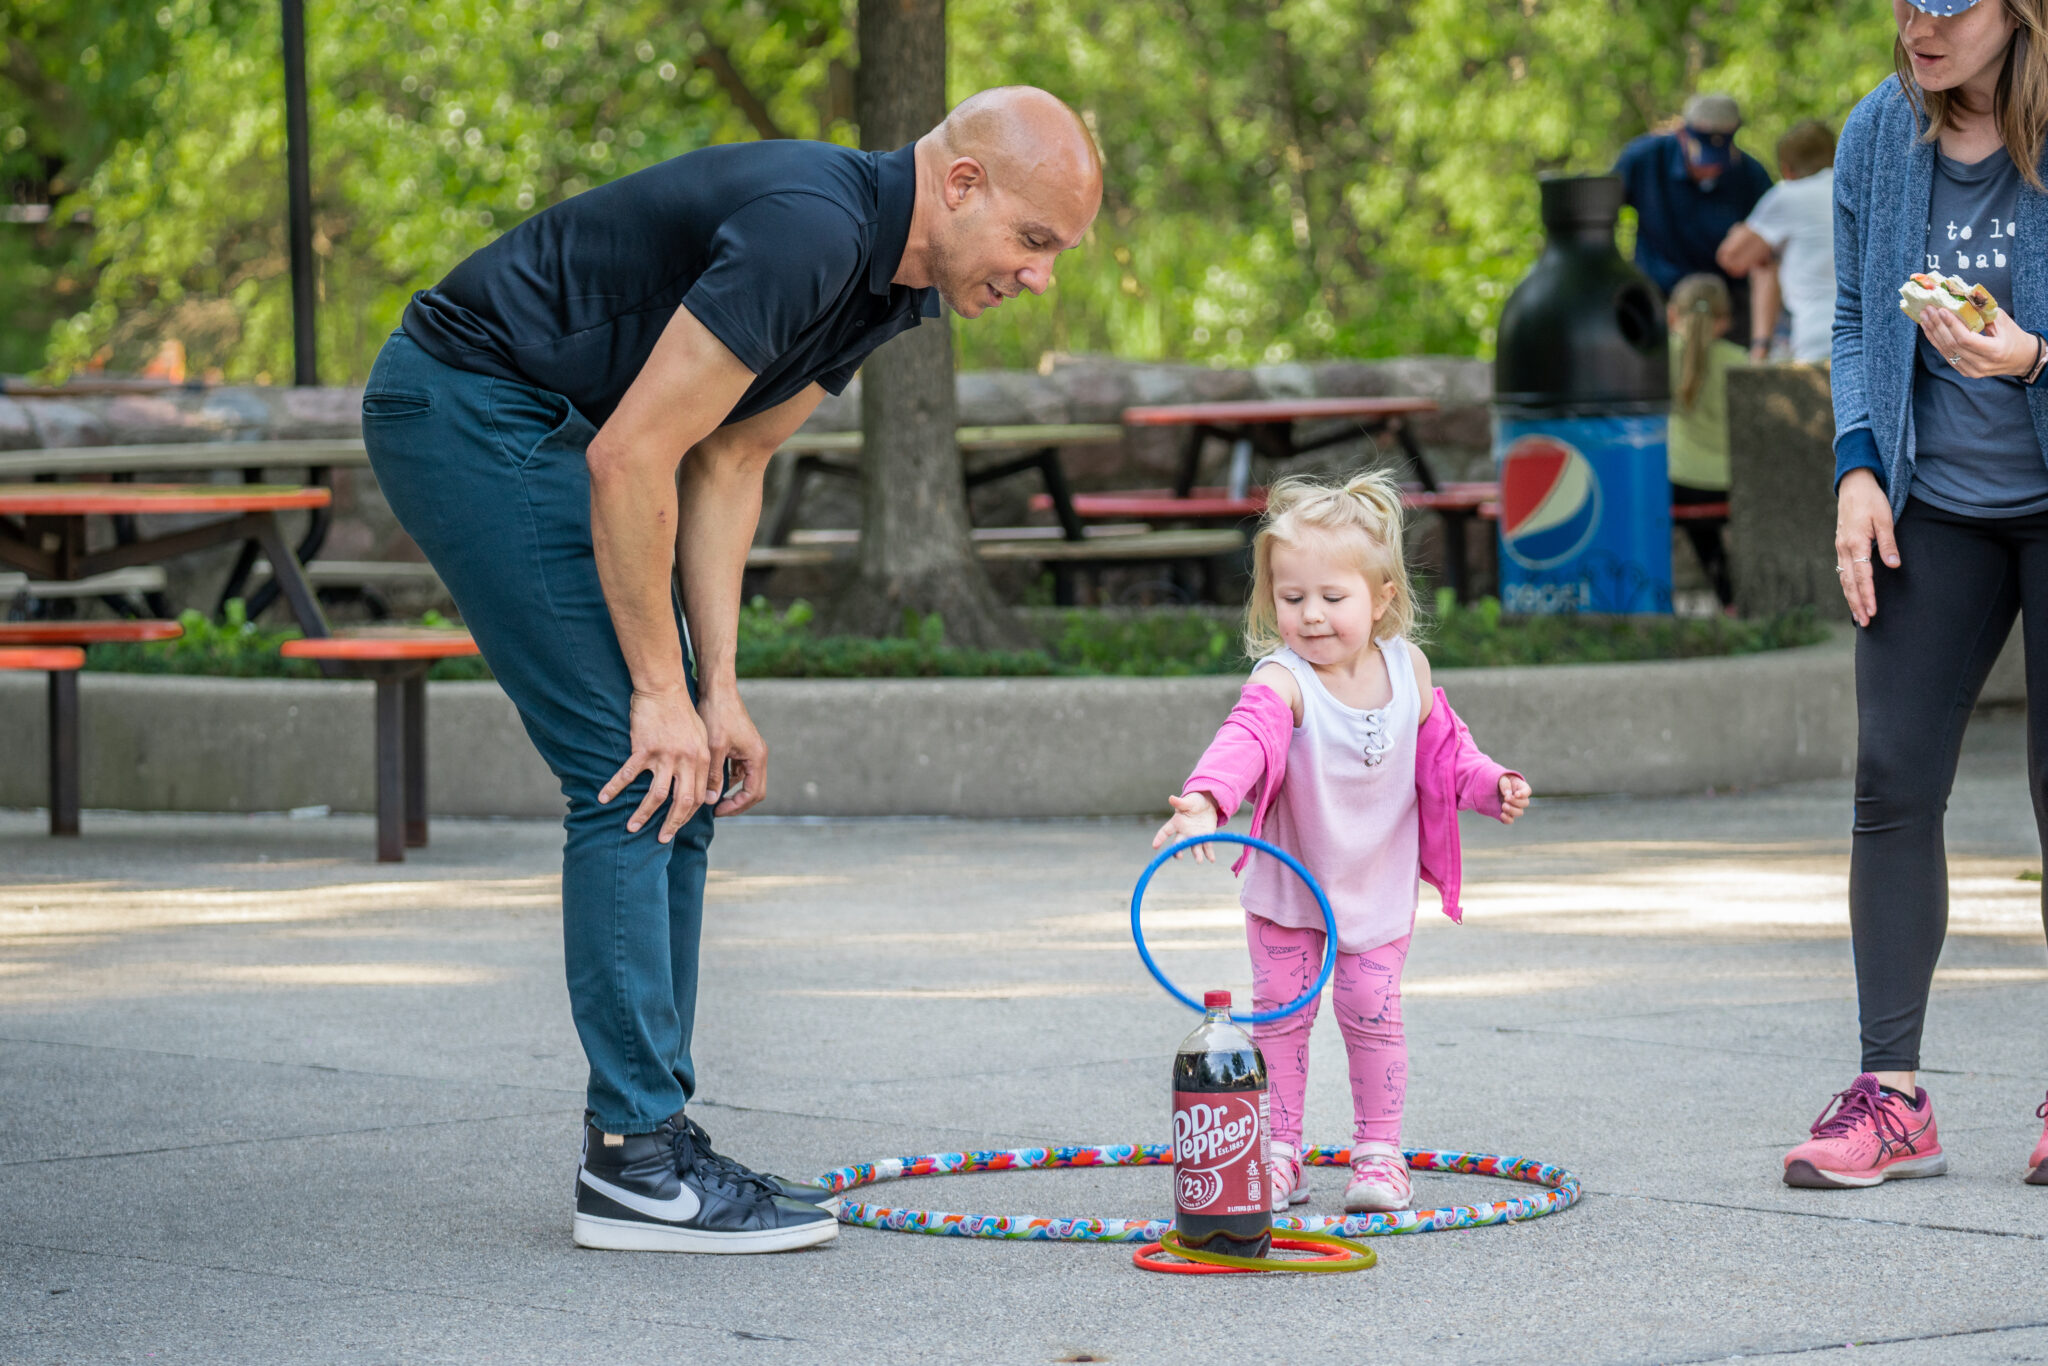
1379,1179
1872,1137
1290,1182
2037,1165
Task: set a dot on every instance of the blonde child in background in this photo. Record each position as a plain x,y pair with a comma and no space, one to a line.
1700,314
1358,768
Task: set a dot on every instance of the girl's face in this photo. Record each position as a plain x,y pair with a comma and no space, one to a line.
1328,609
1947,53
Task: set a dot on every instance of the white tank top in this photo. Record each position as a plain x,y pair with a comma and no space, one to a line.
1347,811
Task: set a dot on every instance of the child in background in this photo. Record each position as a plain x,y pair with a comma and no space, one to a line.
1360,769
1700,314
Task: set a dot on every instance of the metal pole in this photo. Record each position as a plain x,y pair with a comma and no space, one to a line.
299,173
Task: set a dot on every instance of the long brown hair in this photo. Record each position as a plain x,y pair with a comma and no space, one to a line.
1700,301
2019,105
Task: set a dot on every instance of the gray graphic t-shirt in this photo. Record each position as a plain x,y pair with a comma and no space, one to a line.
1978,453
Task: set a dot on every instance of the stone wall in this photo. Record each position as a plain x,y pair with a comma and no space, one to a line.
1781,504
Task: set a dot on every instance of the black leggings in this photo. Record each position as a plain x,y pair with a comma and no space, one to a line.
1706,538
1942,617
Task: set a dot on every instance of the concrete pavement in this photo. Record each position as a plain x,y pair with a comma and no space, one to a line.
263,1100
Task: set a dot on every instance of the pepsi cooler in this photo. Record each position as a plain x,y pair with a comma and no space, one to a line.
1581,396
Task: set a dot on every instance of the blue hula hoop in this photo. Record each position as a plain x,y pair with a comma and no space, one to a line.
1308,997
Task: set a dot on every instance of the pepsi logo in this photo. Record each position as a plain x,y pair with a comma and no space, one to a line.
1549,501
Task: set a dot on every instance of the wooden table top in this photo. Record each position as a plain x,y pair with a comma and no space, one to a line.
348,452
75,500
1256,412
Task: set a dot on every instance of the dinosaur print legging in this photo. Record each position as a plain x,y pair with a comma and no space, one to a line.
1366,992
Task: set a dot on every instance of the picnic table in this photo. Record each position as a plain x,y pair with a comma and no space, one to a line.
49,538
1267,426
1037,447
318,457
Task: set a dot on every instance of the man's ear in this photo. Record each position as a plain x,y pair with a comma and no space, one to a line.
965,176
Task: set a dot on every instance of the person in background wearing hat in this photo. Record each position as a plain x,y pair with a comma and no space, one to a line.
1688,188
1941,534
1786,247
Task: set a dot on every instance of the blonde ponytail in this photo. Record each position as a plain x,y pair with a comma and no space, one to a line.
1702,301
1363,515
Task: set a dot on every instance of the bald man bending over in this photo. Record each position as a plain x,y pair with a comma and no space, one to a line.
591,401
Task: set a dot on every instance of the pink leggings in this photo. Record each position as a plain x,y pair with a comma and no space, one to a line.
1367,992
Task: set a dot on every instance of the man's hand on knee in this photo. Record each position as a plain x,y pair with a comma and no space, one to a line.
731,735
668,743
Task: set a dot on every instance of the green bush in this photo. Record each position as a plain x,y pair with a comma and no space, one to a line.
1481,636
236,647
778,643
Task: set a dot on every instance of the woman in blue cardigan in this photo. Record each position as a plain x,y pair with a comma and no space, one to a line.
1941,535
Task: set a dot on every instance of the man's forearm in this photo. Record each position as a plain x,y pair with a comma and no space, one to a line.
719,506
632,531
1763,305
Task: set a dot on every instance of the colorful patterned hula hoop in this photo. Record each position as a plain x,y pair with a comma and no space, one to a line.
1559,1191
1309,997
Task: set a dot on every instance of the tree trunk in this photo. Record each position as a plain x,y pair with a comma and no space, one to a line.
915,551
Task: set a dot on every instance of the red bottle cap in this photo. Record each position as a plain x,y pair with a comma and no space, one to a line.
1215,1000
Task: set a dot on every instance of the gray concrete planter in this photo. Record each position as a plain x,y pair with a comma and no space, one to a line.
936,747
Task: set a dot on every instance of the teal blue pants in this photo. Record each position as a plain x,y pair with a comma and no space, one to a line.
488,477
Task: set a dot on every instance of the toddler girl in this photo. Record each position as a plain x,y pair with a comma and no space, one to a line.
1700,313
1360,769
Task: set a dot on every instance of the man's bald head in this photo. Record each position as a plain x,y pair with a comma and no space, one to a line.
1009,181
1021,131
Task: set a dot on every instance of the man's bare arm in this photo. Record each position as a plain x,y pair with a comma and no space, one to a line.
1742,251
1766,301
686,388
719,489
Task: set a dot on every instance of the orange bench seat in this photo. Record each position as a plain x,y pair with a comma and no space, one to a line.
87,632
396,659
61,663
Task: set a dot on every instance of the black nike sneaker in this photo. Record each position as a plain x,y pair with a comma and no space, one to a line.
782,1186
660,1192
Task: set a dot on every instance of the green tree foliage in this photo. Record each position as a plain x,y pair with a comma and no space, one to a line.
435,125
1288,179
1310,178
74,79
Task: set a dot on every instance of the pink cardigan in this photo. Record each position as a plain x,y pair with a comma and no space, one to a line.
1451,775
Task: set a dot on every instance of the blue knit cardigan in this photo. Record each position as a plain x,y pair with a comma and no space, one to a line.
1884,182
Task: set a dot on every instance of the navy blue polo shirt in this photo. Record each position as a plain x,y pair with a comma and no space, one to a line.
1679,221
783,250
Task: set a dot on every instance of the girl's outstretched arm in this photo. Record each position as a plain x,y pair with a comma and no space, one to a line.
1248,746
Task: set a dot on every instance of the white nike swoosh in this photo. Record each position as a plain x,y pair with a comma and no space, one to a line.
678,1208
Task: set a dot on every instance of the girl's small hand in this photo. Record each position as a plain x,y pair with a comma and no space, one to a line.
1514,797
1193,814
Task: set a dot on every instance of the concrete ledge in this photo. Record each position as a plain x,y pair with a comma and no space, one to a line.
936,747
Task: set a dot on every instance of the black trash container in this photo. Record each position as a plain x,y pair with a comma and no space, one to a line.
1581,395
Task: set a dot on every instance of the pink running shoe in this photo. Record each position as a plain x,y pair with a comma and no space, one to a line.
2037,1165
1290,1183
1870,1138
1379,1179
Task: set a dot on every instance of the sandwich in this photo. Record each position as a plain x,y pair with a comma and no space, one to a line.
1972,304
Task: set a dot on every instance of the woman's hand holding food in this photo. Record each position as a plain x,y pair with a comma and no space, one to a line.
2002,348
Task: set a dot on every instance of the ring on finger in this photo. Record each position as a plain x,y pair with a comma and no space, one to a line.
1956,359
